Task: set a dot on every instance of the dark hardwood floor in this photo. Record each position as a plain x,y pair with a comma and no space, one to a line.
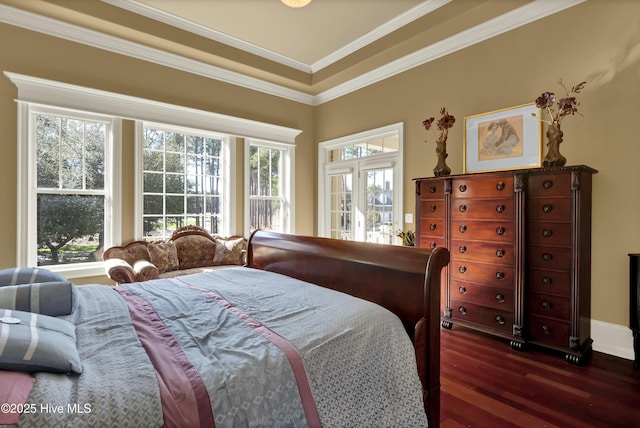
485,383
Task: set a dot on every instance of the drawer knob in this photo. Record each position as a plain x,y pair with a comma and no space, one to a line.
500,298
500,275
500,252
547,184
463,228
432,208
462,208
500,208
547,257
500,231
432,245
546,304
500,319
432,189
432,226
462,249
547,208
462,269
546,329
462,290
462,310
500,185
546,280
462,187
547,233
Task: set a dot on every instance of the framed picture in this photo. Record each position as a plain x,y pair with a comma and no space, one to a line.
503,139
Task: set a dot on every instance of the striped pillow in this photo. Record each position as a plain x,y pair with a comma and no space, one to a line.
32,342
35,290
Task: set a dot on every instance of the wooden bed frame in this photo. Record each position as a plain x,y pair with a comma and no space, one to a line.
405,280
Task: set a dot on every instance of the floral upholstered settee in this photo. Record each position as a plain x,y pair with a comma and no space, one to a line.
189,250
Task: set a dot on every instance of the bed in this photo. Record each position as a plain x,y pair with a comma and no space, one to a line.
260,345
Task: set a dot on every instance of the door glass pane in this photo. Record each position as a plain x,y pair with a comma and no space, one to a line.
341,215
379,212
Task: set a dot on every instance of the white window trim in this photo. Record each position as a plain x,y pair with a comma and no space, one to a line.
27,195
288,190
228,157
325,170
38,91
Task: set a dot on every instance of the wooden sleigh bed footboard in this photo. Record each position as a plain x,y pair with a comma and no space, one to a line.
405,280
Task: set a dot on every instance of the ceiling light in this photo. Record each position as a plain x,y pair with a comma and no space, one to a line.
296,3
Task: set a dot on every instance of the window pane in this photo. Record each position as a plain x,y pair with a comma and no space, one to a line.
341,226
70,228
189,165
265,214
379,214
70,153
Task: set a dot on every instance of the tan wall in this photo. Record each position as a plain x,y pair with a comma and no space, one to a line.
38,55
596,41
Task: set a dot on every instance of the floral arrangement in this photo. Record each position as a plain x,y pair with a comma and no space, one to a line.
408,237
563,107
445,122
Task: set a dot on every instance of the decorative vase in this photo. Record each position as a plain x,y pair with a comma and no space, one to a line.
441,150
554,138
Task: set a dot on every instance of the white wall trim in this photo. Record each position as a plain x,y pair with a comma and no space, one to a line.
491,28
48,92
533,11
612,339
77,34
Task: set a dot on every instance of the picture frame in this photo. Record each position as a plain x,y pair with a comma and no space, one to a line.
509,138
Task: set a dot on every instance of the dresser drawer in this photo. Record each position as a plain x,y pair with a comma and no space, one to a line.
549,233
549,185
549,281
490,317
483,273
548,306
432,227
490,252
549,257
546,209
485,187
431,208
495,297
431,189
548,331
490,209
430,242
483,230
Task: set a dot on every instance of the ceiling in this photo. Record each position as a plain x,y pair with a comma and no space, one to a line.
311,55
305,35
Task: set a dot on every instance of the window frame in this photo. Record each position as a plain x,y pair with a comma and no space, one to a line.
288,182
228,158
358,167
28,192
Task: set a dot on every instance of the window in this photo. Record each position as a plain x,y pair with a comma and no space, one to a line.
360,191
69,175
183,180
269,186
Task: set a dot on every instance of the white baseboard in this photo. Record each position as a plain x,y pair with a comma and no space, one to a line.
612,339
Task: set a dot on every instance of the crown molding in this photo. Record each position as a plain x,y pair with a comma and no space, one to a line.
201,30
387,28
184,24
533,11
74,33
35,90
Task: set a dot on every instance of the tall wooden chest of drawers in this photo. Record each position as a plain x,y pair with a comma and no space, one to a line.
520,244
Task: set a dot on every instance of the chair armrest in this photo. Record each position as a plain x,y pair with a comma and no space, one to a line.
120,271
145,270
